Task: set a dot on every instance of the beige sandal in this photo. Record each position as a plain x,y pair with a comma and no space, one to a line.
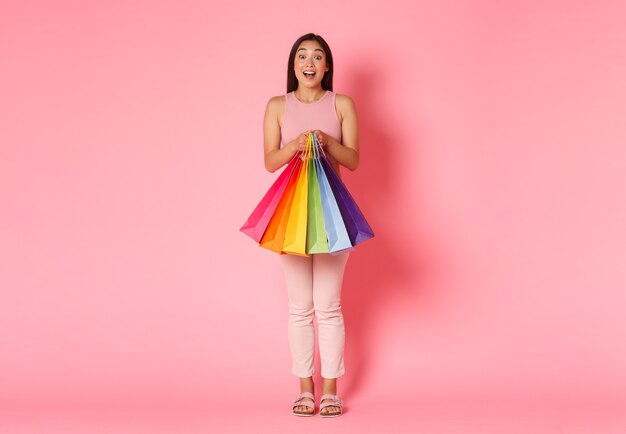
332,401
299,402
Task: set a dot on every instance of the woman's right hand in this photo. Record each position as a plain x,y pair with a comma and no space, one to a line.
299,144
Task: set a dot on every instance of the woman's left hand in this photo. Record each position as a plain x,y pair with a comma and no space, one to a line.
322,137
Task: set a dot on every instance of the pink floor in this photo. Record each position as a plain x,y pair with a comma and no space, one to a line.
363,414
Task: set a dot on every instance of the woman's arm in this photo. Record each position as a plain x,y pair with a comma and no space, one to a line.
275,156
345,152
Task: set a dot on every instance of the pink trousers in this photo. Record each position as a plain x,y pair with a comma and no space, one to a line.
314,285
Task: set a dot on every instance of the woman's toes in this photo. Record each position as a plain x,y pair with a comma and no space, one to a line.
331,410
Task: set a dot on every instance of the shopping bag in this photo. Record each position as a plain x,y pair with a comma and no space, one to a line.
256,224
295,231
308,209
316,237
336,232
274,236
358,228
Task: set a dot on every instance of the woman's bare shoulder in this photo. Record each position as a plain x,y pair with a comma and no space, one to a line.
276,102
343,101
345,106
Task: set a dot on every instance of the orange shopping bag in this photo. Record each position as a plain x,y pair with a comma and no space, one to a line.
274,236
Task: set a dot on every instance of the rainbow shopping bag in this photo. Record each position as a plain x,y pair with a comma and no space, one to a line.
308,210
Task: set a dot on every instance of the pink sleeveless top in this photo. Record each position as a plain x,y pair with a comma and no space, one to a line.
318,115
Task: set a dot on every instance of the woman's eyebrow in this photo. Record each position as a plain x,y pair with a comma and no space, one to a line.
317,49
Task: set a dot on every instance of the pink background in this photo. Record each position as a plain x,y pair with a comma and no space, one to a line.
493,172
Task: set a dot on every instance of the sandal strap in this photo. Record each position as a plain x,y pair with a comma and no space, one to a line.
332,400
306,395
300,400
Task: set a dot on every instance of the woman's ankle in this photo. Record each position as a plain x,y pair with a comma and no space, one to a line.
307,384
329,386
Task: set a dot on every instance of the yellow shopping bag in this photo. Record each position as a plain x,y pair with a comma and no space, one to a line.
295,234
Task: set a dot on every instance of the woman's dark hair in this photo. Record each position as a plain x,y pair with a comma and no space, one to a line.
327,80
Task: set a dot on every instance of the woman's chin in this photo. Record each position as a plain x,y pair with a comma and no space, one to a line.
310,84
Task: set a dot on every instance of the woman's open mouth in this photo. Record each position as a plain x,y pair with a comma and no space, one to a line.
309,75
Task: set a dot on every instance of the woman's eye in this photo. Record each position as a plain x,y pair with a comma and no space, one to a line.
318,57
301,56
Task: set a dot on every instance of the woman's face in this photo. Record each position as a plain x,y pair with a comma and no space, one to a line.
310,64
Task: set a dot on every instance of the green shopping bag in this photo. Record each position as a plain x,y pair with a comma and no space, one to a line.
316,240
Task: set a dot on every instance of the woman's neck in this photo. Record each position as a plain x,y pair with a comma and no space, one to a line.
307,95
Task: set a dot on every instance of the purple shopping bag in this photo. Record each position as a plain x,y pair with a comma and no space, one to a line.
358,228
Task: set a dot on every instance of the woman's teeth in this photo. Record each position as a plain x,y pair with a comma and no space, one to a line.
309,74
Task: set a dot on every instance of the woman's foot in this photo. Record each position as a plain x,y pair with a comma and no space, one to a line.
306,385
330,388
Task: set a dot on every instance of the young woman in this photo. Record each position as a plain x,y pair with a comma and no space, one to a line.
313,283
